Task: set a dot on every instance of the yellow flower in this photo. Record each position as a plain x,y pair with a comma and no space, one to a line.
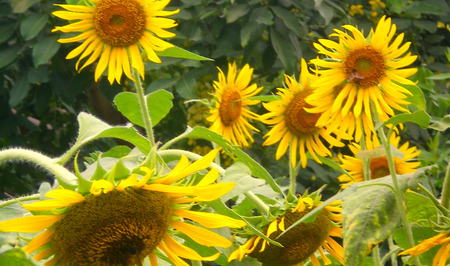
356,9
443,254
229,117
114,31
294,127
377,3
124,223
378,165
300,242
361,74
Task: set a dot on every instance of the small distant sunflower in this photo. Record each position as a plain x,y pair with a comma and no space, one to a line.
115,30
294,127
229,117
360,72
123,224
379,165
443,254
300,242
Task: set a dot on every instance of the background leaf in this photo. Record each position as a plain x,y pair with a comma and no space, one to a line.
178,52
420,118
44,50
32,25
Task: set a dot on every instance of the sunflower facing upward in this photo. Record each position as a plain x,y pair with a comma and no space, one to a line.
379,165
302,241
294,127
114,31
360,72
229,117
122,224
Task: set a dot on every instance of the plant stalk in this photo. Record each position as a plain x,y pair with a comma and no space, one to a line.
445,196
21,199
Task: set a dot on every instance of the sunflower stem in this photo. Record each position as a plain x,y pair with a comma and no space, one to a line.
392,248
376,255
445,196
64,176
148,126
292,180
365,160
399,197
260,205
196,263
21,199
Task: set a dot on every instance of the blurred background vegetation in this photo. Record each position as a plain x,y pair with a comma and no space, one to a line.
41,93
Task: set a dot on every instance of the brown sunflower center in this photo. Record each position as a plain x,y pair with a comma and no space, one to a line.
119,23
298,120
364,67
230,107
117,228
379,167
298,243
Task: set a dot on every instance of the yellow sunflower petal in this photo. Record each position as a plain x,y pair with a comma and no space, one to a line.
185,252
210,220
39,241
201,235
29,224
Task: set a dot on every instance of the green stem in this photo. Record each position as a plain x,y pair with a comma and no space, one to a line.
292,181
21,199
260,205
376,255
445,196
196,263
392,247
365,160
399,197
64,176
148,126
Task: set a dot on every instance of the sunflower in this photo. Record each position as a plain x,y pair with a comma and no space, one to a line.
361,74
302,241
125,223
229,116
294,127
114,31
443,254
378,165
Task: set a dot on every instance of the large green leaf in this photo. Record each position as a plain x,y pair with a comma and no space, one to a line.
20,6
421,210
240,175
417,98
6,31
178,52
284,49
92,128
15,257
8,55
159,104
234,152
19,91
289,20
420,118
44,50
370,214
32,25
442,124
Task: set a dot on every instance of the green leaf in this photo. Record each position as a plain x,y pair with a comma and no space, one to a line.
178,52
236,11
395,5
8,55
234,152
44,50
284,49
32,25
6,31
262,15
417,98
20,6
442,76
19,91
421,210
250,31
370,214
326,11
159,104
420,233
289,20
422,7
420,118
92,128
15,257
442,124
240,174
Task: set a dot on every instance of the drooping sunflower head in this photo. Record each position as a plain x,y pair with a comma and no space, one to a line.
230,117
294,126
302,241
378,165
115,31
370,72
123,224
